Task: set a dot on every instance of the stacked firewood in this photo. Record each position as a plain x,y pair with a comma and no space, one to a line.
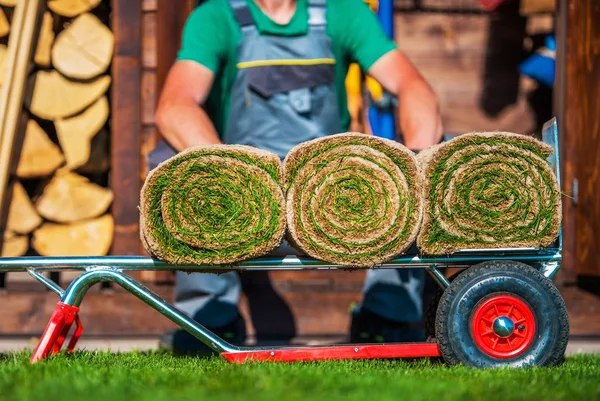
58,207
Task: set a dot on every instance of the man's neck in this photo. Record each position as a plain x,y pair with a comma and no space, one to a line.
280,11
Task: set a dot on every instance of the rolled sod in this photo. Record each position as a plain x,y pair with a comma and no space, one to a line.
352,199
213,205
488,190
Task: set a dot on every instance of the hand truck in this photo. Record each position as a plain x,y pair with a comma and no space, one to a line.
501,310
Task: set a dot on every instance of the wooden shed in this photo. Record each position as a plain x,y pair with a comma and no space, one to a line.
471,58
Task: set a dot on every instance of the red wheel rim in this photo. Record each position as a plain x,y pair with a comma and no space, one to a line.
503,326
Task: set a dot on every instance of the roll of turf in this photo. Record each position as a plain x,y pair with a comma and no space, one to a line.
488,190
213,205
352,199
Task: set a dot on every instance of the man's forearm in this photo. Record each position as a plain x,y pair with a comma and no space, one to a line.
185,124
419,116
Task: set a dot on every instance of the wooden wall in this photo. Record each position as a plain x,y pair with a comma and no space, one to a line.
582,111
453,51
149,65
133,114
125,124
133,126
149,134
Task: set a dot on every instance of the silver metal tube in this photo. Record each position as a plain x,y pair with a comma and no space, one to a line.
78,288
438,276
138,263
49,284
550,137
549,269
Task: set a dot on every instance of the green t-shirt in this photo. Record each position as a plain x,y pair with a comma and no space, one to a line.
211,36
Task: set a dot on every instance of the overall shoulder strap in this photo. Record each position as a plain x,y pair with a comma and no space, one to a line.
317,12
241,12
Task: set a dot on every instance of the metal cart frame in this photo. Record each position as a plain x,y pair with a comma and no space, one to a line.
113,269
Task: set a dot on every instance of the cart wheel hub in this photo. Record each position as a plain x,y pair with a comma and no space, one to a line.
503,326
494,322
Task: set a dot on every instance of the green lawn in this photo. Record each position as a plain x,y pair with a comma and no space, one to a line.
101,376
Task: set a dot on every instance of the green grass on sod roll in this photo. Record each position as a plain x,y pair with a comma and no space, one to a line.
352,199
488,190
92,376
213,205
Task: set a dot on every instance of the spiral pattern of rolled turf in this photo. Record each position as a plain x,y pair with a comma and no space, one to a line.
213,205
488,190
352,199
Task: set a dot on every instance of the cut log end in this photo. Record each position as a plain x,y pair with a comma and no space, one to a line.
22,216
74,96
86,238
83,50
72,8
13,245
44,47
3,51
4,24
40,156
75,133
70,197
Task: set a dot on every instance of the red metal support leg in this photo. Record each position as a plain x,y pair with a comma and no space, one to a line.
56,331
76,335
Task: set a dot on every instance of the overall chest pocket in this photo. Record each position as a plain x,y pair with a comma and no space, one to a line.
302,84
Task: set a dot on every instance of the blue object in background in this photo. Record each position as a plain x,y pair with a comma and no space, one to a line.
541,65
382,119
374,120
388,124
385,12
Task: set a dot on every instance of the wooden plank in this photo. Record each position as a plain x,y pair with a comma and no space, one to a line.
149,140
452,37
148,5
568,152
149,40
450,51
583,127
171,16
149,132
468,116
504,54
25,28
126,124
452,4
540,24
161,40
148,96
529,7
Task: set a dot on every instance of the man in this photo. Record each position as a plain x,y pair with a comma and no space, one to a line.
270,74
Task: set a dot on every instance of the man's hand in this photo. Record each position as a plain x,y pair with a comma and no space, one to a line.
179,117
418,106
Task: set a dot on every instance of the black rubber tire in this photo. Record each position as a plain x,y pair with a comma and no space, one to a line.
431,311
479,282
